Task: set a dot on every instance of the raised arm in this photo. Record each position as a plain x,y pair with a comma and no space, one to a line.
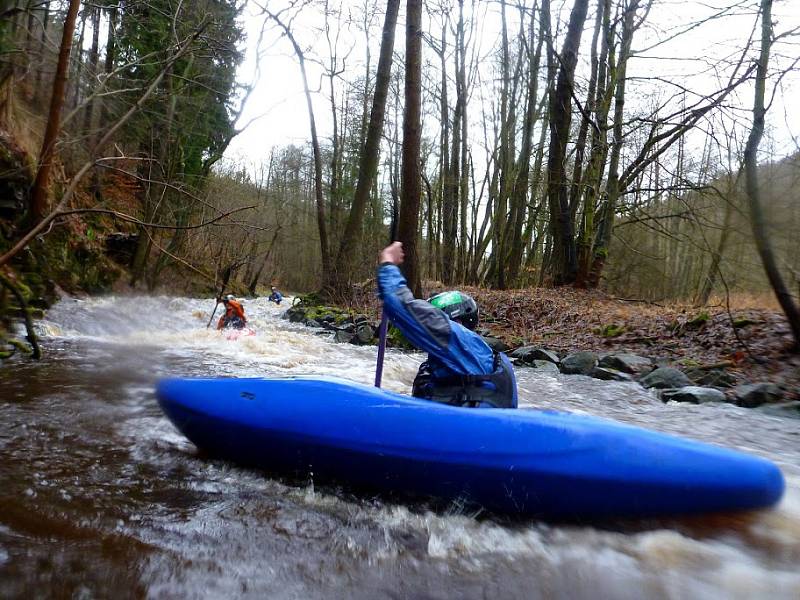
427,327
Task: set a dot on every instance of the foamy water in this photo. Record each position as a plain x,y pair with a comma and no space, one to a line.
101,493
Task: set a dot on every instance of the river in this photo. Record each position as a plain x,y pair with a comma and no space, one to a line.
100,496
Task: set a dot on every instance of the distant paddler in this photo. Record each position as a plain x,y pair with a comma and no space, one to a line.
275,296
234,314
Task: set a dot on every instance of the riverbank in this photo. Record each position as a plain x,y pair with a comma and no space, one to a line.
728,348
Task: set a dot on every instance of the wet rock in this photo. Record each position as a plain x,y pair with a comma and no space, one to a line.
546,365
360,319
693,394
365,334
750,395
495,344
312,323
607,374
579,363
712,377
529,354
343,337
782,409
326,319
627,363
296,314
348,328
665,377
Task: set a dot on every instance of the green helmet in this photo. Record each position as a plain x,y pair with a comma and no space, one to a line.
458,306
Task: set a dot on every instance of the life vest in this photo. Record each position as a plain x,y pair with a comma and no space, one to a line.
467,390
233,317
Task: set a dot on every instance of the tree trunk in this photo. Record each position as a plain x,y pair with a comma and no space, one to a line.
757,219
408,218
606,226
370,154
564,265
318,193
38,206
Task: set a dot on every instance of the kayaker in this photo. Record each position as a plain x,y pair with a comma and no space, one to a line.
234,314
461,369
275,296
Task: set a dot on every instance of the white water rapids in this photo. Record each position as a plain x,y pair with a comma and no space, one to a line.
101,493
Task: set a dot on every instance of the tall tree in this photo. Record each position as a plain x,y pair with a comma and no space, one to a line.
411,186
370,153
564,265
757,219
38,205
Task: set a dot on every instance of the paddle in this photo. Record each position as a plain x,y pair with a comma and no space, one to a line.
384,319
381,347
226,275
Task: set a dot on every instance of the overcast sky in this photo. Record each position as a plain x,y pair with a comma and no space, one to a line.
693,59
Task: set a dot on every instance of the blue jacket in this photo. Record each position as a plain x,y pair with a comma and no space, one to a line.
453,349
461,369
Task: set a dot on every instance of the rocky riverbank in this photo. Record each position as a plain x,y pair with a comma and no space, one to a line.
686,354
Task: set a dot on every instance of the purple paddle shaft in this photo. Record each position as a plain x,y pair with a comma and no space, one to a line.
381,348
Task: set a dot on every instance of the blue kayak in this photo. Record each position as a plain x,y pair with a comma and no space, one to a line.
532,463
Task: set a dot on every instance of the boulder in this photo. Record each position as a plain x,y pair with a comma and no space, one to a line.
750,395
529,354
711,377
692,394
312,323
343,337
540,365
360,319
782,409
665,377
579,363
347,327
627,363
610,374
365,334
296,314
495,344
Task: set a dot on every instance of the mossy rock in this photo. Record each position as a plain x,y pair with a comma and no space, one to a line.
4,354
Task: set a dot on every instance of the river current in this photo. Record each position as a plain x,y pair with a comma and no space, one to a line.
100,496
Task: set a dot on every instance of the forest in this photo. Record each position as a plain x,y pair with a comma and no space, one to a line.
508,145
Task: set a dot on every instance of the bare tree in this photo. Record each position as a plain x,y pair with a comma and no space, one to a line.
763,244
411,190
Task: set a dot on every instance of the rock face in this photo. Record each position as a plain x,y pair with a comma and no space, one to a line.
755,394
693,394
579,363
529,354
665,377
627,363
